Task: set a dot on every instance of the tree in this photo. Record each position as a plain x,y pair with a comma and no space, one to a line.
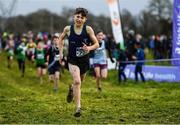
149,24
157,18
129,22
37,21
161,9
6,12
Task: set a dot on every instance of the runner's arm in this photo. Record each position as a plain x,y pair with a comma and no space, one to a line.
93,38
61,40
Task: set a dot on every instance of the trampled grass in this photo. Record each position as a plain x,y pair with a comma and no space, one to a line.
25,100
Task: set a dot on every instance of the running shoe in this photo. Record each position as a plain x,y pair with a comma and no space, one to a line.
77,112
100,89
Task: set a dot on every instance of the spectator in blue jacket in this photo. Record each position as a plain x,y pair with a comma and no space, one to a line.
139,57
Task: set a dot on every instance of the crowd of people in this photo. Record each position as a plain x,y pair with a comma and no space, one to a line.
73,48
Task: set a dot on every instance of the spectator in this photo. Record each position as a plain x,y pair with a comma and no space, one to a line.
151,43
130,44
139,57
122,58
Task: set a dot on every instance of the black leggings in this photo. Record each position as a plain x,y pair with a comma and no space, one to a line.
138,69
21,65
121,72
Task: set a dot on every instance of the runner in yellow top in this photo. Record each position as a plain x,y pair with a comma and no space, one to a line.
30,48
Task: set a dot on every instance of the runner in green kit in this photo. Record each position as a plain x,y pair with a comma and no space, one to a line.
40,58
10,50
21,56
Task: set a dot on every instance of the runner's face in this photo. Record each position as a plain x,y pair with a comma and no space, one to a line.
30,40
40,45
100,36
79,20
55,40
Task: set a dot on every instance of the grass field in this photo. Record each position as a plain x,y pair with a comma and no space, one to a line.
25,100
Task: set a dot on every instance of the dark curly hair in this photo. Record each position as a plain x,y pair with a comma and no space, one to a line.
81,11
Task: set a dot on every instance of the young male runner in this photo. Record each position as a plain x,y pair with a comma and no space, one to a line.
53,56
81,40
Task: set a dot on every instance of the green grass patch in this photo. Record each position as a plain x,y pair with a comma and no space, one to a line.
26,101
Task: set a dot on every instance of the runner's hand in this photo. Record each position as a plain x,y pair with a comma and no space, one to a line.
86,48
60,61
46,63
134,57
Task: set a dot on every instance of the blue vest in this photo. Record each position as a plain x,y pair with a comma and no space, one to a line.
76,43
100,54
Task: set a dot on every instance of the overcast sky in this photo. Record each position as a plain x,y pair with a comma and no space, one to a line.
95,6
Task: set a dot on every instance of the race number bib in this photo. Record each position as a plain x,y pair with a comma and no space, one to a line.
57,57
80,52
11,52
99,52
40,56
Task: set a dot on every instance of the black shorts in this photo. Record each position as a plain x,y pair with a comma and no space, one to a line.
43,66
54,68
29,56
82,63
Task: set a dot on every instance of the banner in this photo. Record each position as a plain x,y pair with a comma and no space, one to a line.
116,22
155,73
176,32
